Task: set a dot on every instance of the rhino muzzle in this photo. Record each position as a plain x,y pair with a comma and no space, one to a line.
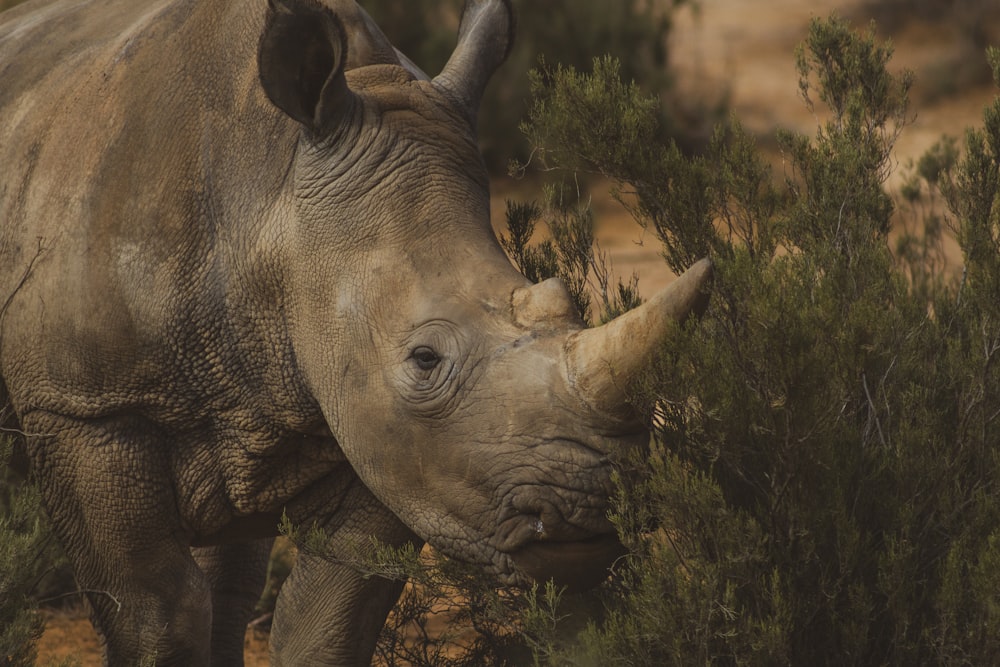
563,535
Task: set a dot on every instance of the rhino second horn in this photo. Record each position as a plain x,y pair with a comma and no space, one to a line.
604,361
545,306
485,37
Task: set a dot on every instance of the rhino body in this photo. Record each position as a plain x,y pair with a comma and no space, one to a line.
247,270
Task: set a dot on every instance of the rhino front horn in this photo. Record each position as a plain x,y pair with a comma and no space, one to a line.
604,361
485,37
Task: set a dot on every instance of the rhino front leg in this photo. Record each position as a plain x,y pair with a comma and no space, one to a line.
329,613
107,489
236,574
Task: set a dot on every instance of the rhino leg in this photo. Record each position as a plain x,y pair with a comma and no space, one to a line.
105,485
236,574
328,612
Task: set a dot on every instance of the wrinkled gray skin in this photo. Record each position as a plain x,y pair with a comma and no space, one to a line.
247,268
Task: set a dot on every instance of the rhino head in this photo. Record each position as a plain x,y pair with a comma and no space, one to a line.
472,403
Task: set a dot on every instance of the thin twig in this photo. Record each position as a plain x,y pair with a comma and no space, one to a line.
24,278
84,591
871,405
16,431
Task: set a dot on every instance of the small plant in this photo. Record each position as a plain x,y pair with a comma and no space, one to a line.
34,571
822,486
22,540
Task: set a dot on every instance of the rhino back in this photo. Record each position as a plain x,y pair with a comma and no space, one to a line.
141,164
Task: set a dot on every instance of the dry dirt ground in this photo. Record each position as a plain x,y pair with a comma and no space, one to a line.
743,50
70,635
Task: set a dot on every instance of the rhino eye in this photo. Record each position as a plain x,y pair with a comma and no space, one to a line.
426,358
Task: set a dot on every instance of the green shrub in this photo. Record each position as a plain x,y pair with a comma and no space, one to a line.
823,484
34,570
22,540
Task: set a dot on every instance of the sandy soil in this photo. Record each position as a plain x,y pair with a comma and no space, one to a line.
742,49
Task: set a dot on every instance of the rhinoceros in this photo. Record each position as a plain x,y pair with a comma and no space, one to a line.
248,270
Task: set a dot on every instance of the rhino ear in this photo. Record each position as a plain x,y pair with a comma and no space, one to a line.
485,37
301,62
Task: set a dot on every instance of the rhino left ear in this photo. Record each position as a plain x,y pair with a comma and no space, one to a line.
301,62
485,37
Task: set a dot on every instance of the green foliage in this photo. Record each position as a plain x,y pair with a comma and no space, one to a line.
973,198
34,570
22,538
598,124
822,486
450,615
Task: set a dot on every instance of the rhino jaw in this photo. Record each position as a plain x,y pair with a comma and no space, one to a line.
577,565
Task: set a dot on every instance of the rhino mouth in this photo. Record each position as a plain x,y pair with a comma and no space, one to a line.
559,532
577,565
